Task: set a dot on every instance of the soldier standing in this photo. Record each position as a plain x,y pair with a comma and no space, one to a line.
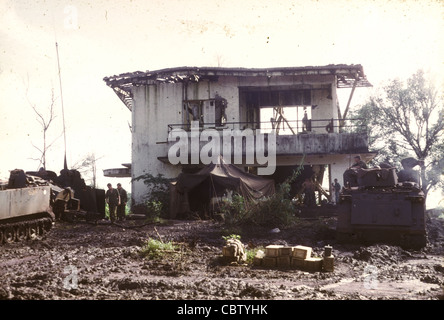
112,198
122,204
309,191
337,189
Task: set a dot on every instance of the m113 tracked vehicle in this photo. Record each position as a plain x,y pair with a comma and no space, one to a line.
31,202
377,207
25,208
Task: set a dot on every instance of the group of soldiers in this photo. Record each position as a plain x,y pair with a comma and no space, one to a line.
116,199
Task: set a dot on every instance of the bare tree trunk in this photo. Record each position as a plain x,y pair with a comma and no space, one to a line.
424,183
45,122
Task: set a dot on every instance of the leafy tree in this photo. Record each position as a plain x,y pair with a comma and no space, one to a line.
406,119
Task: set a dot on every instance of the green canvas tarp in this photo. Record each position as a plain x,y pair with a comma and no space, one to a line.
193,192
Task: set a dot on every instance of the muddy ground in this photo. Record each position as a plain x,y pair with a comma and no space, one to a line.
86,261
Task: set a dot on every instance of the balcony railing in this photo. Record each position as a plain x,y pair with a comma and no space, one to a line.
289,127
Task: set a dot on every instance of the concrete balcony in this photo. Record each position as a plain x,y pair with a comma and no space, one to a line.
321,143
248,143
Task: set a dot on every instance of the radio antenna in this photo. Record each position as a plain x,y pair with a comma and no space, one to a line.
65,165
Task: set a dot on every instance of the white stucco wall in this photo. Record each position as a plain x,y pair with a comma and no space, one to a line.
339,164
157,105
323,111
226,87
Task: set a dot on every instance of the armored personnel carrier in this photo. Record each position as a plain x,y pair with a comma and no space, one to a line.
25,208
31,202
376,207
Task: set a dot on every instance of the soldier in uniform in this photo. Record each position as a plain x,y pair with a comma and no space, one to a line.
336,188
309,192
112,198
122,204
350,175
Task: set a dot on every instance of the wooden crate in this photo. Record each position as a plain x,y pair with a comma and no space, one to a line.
301,252
328,263
272,250
228,251
297,263
313,264
285,251
269,262
257,261
283,261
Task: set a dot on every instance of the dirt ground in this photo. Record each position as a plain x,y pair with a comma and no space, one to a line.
86,261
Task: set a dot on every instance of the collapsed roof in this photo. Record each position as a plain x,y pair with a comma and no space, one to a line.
347,76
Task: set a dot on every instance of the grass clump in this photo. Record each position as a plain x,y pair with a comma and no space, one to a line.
156,249
231,236
251,253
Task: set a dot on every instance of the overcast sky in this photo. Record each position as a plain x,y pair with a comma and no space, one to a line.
102,38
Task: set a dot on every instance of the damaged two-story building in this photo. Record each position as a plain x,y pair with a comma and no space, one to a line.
297,104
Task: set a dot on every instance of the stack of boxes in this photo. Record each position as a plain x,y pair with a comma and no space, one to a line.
302,259
298,257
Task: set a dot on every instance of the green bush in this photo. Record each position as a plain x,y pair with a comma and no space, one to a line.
154,210
251,253
159,193
235,211
275,210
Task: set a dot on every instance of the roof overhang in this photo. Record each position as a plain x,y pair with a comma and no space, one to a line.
118,172
347,76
